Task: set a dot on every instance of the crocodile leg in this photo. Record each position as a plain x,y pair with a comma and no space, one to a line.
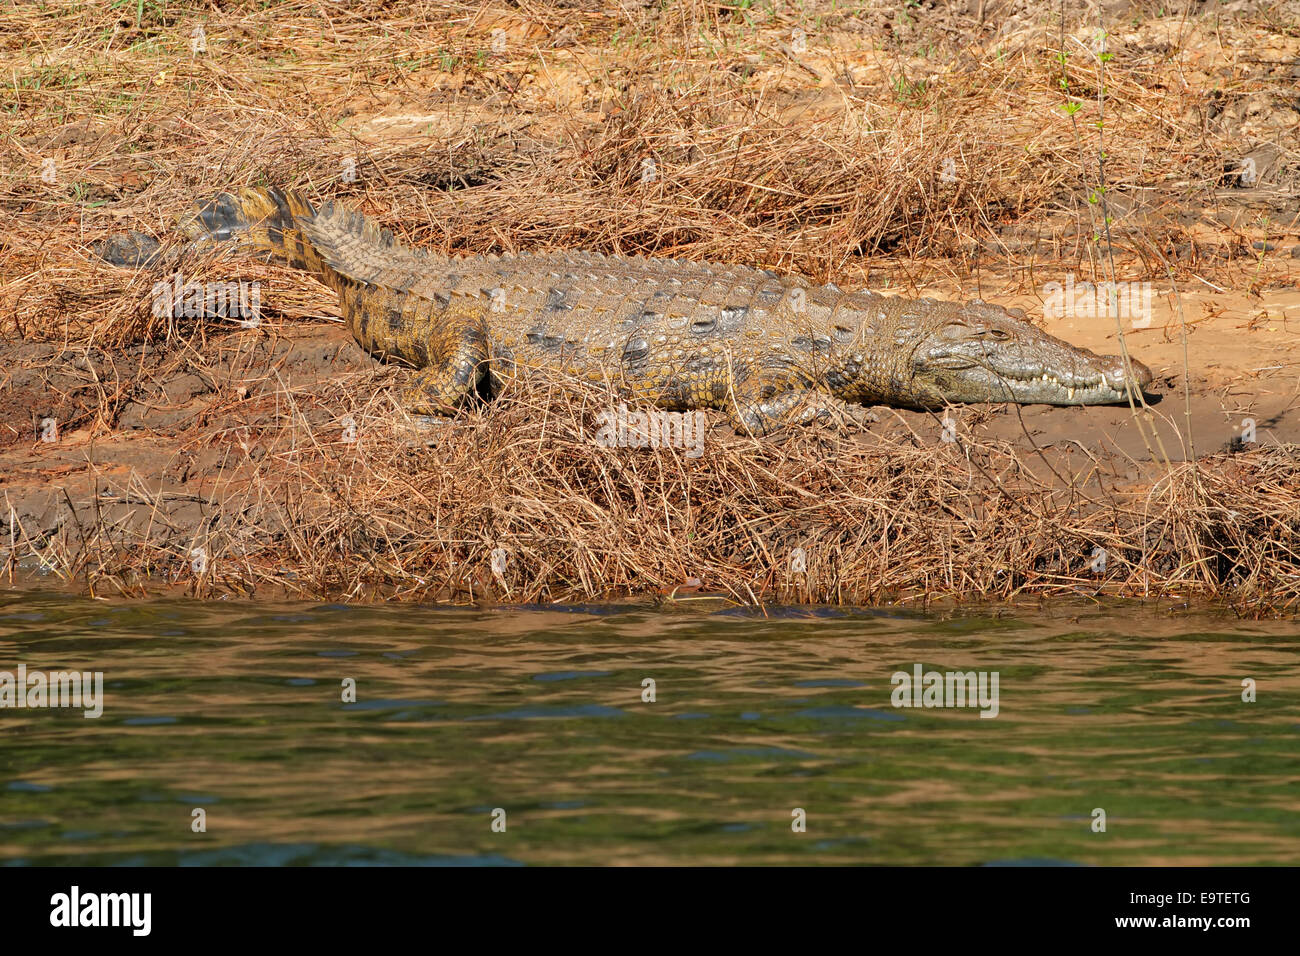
439,389
447,345
456,361
751,413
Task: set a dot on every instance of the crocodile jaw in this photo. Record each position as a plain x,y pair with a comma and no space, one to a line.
1009,360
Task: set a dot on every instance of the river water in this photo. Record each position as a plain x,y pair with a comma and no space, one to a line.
527,736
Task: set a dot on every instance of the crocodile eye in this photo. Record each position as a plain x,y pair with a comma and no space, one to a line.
996,334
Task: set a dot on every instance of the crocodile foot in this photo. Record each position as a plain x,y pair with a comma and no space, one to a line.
797,407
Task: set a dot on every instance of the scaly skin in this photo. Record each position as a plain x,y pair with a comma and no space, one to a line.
765,349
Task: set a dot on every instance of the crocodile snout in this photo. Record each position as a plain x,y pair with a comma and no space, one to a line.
1116,374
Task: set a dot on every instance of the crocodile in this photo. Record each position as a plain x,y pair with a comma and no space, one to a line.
766,349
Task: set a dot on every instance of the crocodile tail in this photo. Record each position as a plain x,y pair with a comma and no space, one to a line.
264,220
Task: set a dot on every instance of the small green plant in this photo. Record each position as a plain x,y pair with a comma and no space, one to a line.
156,9
908,91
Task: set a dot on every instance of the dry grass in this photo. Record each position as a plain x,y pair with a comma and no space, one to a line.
415,511
833,162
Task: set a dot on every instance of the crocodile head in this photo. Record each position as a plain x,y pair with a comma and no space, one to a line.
984,353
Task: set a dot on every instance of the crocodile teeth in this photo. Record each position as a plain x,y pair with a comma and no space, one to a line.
1070,394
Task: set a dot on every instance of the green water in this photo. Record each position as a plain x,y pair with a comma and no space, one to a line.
237,709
